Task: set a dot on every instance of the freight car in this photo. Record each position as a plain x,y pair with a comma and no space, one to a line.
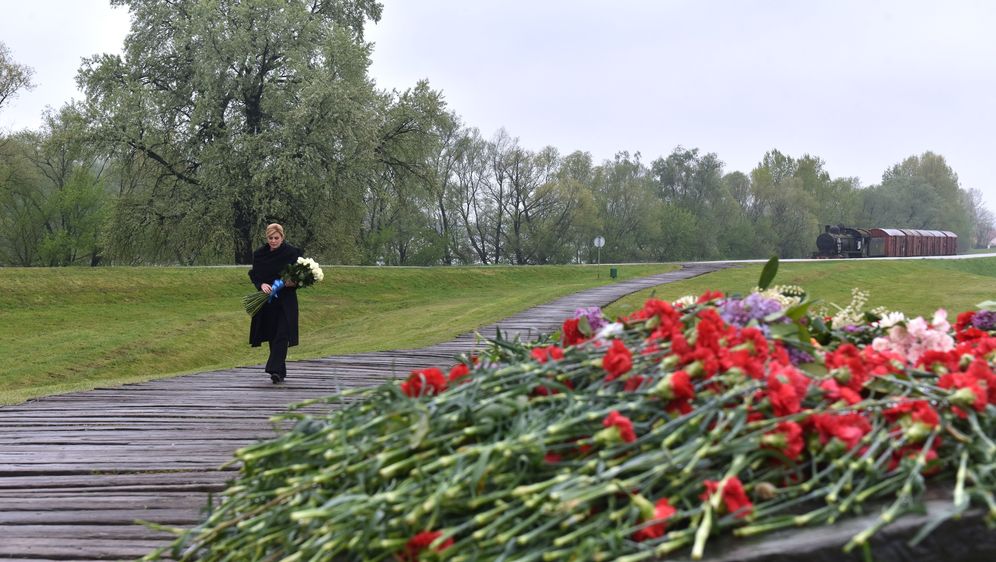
838,241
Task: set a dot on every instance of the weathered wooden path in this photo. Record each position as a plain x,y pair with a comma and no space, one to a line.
77,470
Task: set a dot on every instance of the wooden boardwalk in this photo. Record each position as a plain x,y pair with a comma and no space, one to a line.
77,470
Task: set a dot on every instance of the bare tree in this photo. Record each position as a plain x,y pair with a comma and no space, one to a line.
13,77
983,218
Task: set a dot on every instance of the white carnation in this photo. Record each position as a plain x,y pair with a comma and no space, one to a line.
685,301
613,330
890,319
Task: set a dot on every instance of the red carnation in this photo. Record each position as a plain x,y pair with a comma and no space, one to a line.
847,367
425,382
678,407
916,417
733,495
787,438
918,411
786,388
617,427
964,320
634,382
549,353
969,392
911,452
571,333
835,392
709,296
846,428
655,308
459,371
618,360
656,513
422,541
939,362
971,334
542,390
676,386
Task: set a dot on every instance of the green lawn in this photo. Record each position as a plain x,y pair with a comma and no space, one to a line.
915,287
74,328
77,328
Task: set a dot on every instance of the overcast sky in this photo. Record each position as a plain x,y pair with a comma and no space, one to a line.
860,83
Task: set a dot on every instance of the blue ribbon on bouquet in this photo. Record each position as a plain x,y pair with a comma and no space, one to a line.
277,285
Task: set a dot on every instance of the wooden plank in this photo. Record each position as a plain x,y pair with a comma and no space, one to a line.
100,549
187,516
117,532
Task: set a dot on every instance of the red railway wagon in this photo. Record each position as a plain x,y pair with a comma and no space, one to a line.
950,243
845,242
886,242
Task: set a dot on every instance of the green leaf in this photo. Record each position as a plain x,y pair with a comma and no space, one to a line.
421,429
803,332
768,273
782,331
814,370
800,310
584,326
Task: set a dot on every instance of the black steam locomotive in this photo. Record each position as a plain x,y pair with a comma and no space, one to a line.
838,241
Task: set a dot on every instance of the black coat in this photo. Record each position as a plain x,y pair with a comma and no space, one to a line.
267,266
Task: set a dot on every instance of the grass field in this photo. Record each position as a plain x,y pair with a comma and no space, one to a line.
74,328
77,328
915,287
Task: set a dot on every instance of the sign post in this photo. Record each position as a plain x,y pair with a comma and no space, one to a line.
599,242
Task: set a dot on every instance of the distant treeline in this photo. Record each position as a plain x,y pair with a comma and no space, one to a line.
221,117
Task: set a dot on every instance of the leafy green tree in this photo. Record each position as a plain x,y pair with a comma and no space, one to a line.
913,202
903,202
253,111
71,182
784,211
694,183
626,203
23,207
834,201
574,179
53,206
21,215
921,192
400,226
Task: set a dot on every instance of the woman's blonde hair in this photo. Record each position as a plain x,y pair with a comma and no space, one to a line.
271,228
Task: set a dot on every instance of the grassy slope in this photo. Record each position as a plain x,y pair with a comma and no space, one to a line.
916,287
74,328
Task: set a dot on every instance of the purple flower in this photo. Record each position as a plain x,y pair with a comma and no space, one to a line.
739,312
797,356
984,320
594,316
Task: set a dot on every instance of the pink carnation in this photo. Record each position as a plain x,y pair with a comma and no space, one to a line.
917,337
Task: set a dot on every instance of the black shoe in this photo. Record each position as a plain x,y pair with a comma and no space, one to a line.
277,378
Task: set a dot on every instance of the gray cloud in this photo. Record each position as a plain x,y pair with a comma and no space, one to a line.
861,84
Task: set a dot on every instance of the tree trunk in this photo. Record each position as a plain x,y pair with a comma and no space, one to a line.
242,226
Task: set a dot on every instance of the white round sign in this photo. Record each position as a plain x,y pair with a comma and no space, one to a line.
599,241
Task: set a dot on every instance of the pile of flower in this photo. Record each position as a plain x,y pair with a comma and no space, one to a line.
630,440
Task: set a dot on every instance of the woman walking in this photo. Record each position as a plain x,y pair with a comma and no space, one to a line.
276,322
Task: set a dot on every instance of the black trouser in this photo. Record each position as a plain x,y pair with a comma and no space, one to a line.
276,364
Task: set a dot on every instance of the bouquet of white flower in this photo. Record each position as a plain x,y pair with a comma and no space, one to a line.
305,272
